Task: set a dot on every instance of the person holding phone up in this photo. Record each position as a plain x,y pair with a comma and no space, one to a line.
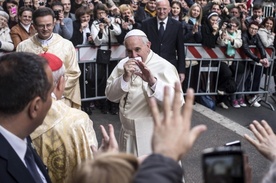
11,7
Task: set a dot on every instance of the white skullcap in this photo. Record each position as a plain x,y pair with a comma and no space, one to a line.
4,14
135,32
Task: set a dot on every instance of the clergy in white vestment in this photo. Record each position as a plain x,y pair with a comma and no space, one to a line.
64,139
47,41
141,75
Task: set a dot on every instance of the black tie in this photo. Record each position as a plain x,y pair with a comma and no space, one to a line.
31,166
161,30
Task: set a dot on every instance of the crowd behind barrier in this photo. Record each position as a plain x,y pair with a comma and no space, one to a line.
268,9
196,54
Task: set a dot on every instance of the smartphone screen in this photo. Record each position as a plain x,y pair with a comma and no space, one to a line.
223,167
13,10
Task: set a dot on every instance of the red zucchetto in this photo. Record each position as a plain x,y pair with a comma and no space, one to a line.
54,62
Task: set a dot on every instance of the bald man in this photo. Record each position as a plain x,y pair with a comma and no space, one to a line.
168,45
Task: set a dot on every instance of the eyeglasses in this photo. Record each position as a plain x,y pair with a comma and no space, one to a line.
47,26
231,25
59,11
41,3
101,12
3,20
255,29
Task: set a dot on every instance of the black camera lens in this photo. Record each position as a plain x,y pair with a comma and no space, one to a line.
41,3
221,6
87,35
56,14
229,26
101,20
241,15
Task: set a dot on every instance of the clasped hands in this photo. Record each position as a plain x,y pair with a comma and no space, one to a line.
134,66
265,62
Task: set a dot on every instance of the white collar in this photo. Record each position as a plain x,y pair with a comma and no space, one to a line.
18,145
27,28
165,21
45,42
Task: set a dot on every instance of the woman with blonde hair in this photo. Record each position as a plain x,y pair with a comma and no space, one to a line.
127,22
192,34
107,168
192,24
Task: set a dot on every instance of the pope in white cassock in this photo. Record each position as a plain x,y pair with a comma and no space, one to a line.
141,75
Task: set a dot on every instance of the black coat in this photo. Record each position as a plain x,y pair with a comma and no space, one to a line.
158,168
208,38
248,40
77,37
12,169
188,36
171,46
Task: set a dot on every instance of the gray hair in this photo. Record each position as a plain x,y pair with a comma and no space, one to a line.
58,73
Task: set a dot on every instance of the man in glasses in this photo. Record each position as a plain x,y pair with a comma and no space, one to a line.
251,38
47,41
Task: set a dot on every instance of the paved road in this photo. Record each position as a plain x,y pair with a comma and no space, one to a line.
221,129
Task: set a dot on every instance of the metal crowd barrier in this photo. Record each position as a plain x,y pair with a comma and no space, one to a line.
194,53
214,57
268,9
86,56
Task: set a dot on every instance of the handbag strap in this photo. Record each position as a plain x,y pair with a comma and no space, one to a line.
109,39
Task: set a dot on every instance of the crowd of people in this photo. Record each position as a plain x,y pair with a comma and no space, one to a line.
211,23
40,97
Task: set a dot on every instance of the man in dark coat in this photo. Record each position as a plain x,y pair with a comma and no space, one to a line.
167,41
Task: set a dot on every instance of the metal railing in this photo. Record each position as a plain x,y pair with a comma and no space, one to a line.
194,53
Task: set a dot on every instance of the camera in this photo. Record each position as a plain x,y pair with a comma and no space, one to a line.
228,26
87,35
56,14
223,164
221,6
241,15
101,20
126,18
41,3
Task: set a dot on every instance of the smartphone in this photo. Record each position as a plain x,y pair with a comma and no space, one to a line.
223,164
13,10
87,35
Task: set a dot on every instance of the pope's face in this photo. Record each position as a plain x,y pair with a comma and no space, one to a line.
136,47
44,26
